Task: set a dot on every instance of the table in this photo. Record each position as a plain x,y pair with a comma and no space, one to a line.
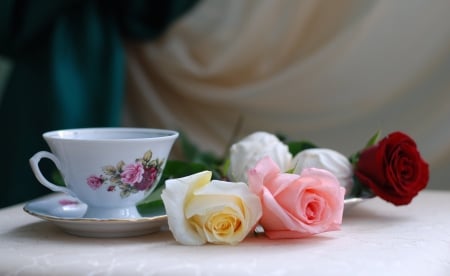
376,238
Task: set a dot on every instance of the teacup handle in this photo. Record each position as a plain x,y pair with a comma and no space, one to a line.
34,162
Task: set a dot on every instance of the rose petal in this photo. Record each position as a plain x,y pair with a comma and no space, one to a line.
223,198
175,195
265,168
327,159
274,215
246,153
393,169
296,206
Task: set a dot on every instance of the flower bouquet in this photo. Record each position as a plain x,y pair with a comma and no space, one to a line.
289,189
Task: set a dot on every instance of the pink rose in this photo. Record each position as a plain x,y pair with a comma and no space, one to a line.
132,173
296,206
94,182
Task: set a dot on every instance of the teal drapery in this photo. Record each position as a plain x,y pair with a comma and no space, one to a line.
68,71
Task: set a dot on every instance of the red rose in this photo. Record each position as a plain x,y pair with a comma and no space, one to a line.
148,179
393,169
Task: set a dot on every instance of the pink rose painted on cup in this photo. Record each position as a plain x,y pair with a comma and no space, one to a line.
131,178
132,173
296,206
94,182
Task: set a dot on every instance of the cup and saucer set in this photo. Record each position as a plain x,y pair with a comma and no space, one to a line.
110,176
108,173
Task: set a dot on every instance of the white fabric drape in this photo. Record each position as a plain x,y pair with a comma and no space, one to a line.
332,72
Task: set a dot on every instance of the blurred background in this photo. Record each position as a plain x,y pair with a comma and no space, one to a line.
332,72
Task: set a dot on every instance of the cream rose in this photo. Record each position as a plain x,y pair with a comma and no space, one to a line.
327,159
247,152
200,210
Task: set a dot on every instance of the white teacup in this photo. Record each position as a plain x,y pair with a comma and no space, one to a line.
109,169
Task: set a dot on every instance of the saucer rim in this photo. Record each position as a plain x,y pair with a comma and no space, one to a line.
161,218
45,216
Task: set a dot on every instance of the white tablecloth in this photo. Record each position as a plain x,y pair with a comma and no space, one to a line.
376,238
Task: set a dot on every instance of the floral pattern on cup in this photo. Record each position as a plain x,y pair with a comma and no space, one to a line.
128,178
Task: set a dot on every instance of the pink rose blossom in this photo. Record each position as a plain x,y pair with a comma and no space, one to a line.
94,182
296,206
132,173
148,179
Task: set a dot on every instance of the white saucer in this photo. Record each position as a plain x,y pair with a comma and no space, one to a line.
67,212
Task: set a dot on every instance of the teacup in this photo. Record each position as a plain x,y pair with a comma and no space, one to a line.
109,169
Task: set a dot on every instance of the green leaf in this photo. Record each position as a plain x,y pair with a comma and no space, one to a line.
153,163
57,178
374,139
298,146
125,193
115,179
354,158
154,196
173,169
195,155
178,168
120,166
151,208
109,170
290,170
360,190
188,148
283,138
225,167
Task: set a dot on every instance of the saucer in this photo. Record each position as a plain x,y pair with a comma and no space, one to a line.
352,201
67,213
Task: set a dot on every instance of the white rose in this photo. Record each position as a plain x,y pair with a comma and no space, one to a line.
327,159
200,210
246,153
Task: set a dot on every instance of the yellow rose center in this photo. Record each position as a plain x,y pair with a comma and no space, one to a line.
222,225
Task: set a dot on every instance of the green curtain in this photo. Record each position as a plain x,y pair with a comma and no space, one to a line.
68,72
